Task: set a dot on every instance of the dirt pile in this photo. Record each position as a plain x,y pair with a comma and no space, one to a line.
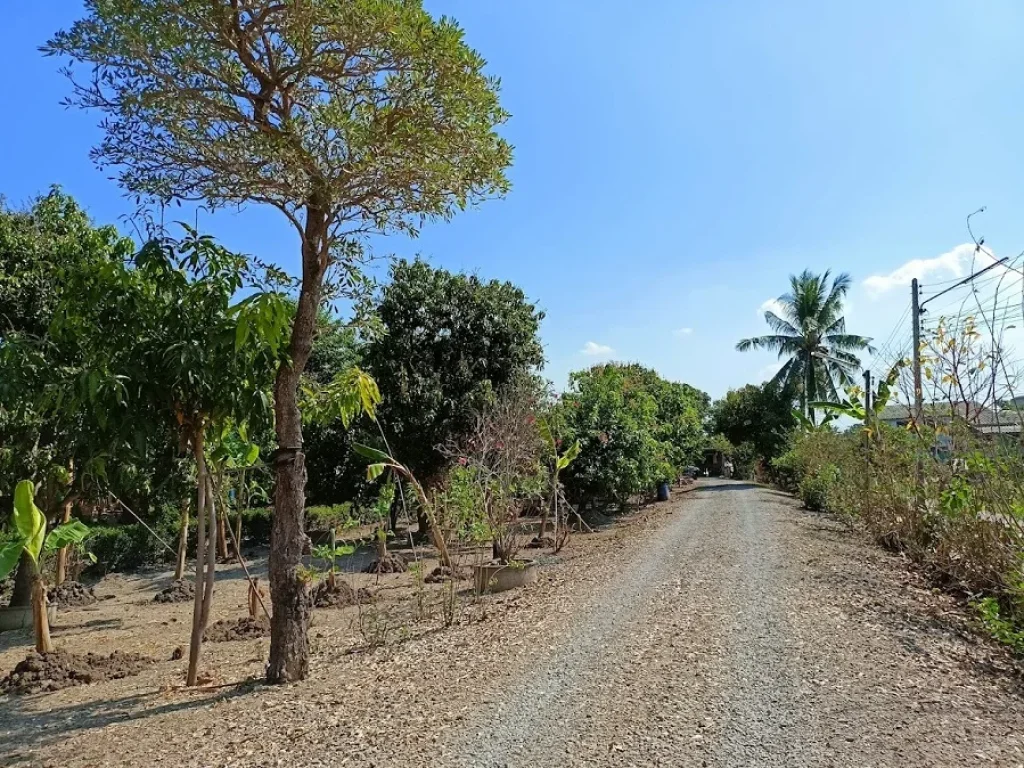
71,594
390,563
59,669
180,591
246,628
443,573
341,595
541,542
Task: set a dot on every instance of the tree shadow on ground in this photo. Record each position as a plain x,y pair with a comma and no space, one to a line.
23,727
719,486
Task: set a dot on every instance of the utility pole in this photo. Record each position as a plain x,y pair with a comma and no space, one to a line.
915,311
868,413
867,399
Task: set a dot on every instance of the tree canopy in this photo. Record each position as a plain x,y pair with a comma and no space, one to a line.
758,415
635,429
811,336
449,342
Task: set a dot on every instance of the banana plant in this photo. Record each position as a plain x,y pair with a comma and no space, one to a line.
855,407
382,462
30,538
560,461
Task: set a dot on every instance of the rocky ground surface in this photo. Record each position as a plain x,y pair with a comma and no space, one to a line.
726,628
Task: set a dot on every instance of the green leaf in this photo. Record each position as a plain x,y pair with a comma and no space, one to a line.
569,456
371,453
241,332
373,471
252,454
545,432
74,532
28,519
10,554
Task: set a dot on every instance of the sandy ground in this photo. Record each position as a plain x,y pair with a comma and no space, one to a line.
725,628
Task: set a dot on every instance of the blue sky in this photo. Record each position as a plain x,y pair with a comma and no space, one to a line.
674,162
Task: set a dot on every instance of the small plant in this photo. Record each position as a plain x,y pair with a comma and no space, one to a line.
30,538
998,626
331,553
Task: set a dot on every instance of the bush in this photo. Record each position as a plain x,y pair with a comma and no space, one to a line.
817,488
322,519
125,547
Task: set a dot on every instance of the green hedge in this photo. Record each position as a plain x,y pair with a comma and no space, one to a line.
129,546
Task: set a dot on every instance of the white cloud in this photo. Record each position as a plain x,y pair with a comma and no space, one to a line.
770,305
682,332
593,349
950,265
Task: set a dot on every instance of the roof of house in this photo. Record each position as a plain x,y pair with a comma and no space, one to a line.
980,417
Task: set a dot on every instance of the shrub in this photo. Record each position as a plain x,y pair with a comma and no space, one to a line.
125,547
322,519
817,489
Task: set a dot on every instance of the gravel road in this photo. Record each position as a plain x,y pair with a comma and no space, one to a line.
728,628
749,633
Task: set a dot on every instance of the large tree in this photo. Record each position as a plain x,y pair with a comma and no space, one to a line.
758,415
634,428
60,448
811,336
348,116
449,343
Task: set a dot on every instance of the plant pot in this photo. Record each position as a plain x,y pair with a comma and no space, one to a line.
21,618
494,577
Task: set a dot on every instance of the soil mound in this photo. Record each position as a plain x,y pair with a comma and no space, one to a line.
390,563
443,573
59,669
180,591
71,594
341,595
246,628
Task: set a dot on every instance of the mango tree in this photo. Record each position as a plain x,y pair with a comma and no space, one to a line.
184,354
349,118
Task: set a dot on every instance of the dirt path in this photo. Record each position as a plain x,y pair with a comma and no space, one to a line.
734,641
726,629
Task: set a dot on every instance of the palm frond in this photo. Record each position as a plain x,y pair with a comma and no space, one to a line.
780,326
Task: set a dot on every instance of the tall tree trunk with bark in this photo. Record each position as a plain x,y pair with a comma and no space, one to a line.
63,552
205,551
222,535
289,591
179,567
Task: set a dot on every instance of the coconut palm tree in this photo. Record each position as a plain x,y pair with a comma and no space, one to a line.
812,334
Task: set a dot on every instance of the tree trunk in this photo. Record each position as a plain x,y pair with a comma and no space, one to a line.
198,627
238,535
394,510
211,549
289,591
179,568
544,522
40,621
222,535
62,553
25,577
